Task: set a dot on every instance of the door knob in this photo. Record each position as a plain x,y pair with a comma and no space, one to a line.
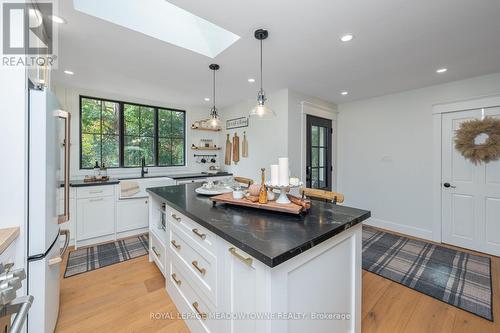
448,185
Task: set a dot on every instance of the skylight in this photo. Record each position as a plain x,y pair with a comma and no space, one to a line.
162,20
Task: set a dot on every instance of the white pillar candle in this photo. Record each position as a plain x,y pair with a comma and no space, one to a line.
275,174
283,171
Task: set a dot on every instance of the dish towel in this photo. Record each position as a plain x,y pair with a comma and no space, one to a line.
129,188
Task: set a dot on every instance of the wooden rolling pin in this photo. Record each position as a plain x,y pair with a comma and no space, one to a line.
299,202
227,157
236,148
244,145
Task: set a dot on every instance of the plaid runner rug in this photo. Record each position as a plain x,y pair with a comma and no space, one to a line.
454,277
90,258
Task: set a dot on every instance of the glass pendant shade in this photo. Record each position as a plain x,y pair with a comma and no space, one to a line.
261,111
214,121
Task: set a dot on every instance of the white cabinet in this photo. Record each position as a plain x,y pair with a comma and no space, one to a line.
95,214
131,214
244,290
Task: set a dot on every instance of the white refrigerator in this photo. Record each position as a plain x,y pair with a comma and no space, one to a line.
44,250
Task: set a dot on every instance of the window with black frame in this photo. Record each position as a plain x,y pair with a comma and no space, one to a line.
120,134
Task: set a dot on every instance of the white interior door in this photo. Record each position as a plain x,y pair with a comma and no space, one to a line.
470,193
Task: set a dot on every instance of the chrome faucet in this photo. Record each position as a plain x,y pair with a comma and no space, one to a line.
143,169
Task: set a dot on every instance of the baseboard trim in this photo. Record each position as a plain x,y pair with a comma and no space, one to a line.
400,228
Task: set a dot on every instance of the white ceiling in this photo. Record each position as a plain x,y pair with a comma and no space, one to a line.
398,45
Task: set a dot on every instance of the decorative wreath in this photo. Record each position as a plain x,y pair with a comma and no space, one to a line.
479,140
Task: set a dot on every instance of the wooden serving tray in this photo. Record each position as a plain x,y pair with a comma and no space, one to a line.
227,198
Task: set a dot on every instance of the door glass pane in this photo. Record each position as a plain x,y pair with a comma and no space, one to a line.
314,157
314,135
322,177
322,157
314,178
322,134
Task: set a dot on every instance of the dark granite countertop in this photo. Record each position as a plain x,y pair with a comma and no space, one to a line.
185,175
270,237
81,183
114,181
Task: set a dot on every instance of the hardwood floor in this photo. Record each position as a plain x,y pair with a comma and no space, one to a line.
122,297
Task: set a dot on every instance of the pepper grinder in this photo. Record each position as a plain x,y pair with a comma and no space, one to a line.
263,190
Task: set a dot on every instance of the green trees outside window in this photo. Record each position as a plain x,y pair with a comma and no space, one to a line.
120,134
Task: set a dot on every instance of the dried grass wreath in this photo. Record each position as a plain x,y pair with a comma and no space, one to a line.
479,140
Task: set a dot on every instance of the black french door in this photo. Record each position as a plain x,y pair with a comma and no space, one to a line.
319,153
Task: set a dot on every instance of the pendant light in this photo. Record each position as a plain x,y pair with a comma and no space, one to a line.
261,110
214,121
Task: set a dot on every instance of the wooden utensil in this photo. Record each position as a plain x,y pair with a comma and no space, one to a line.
227,157
306,204
236,148
244,146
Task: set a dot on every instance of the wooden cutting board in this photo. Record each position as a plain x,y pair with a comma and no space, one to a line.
244,145
227,157
236,148
227,198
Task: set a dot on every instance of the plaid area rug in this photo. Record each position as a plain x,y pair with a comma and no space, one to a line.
102,255
454,277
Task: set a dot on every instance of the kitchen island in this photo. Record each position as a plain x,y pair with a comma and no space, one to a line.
236,269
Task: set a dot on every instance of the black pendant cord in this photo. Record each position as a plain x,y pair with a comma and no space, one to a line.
214,90
261,89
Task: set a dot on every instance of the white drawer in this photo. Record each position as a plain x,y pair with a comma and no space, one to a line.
95,191
199,234
157,252
201,264
200,310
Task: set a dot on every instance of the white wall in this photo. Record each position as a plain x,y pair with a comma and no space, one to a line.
267,139
272,138
14,167
69,99
385,153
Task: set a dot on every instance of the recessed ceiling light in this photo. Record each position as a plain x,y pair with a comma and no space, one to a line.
251,80
441,70
347,37
57,19
344,93
207,99
68,72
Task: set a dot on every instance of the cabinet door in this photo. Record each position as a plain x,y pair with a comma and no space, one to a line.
245,288
132,214
95,217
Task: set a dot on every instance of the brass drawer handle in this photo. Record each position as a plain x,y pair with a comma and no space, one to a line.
201,270
247,261
154,250
177,246
199,234
203,315
176,280
175,217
